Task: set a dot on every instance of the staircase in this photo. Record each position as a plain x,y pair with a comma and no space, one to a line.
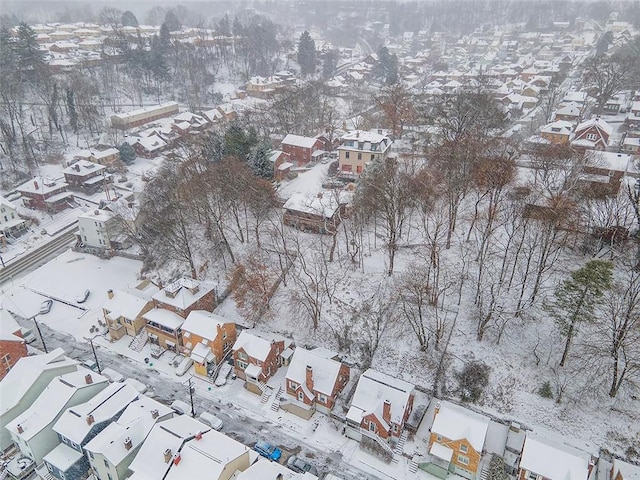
413,464
399,450
275,404
140,340
266,392
382,443
484,473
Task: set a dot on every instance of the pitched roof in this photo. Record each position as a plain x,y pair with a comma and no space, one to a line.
455,423
595,122
552,460
299,141
324,370
124,304
257,344
163,317
204,324
184,292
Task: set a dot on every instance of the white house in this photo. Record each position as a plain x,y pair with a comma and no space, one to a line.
101,229
32,431
112,450
25,382
10,221
264,469
552,461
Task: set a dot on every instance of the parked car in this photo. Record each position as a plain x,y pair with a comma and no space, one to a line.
139,386
90,364
224,372
184,366
267,450
181,407
211,420
112,375
299,465
83,297
28,335
45,307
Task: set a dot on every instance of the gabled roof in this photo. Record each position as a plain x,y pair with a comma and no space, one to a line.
204,324
124,304
552,460
456,423
373,389
257,344
626,470
324,205
73,423
52,401
596,122
299,141
324,370
25,374
164,317
184,292
9,327
83,167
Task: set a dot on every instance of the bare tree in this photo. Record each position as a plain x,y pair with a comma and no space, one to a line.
605,76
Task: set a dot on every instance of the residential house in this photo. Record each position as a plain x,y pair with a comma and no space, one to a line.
576,97
150,146
631,145
25,382
265,469
109,156
85,176
300,149
135,118
164,328
380,407
603,172
111,451
263,87
32,430
570,112
12,346
102,230
45,194
78,425
542,458
123,313
559,132
185,295
193,121
207,339
314,380
281,165
257,356
457,440
633,117
624,471
592,134
11,225
314,213
358,148
220,456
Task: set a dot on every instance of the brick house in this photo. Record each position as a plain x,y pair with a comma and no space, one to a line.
603,172
45,194
281,164
457,440
380,407
185,295
633,117
558,132
123,313
319,213
164,328
207,339
570,112
593,135
358,148
544,459
85,176
314,380
257,356
12,346
301,149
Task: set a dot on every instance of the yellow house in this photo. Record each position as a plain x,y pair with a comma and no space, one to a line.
457,440
123,313
359,148
207,338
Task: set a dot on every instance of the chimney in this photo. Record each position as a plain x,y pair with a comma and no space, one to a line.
309,378
88,379
154,413
35,185
386,411
90,419
77,167
96,212
128,444
177,458
319,195
110,294
437,409
380,131
199,436
167,455
20,429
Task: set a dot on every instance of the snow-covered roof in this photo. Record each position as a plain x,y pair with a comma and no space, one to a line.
204,324
323,204
324,370
558,127
133,113
626,470
265,469
134,424
184,292
572,109
25,373
578,97
163,317
441,451
201,353
211,453
595,122
63,457
83,167
364,136
46,408
8,327
41,185
374,388
74,423
97,214
299,141
167,436
6,203
620,162
123,304
455,423
553,461
257,344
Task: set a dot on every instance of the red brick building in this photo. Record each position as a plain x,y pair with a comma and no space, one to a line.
592,135
12,346
185,295
301,149
45,194
86,176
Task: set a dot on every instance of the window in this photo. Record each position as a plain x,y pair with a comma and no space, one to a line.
322,398
300,396
592,136
533,476
6,361
293,385
463,460
372,427
395,428
258,363
224,335
242,365
359,156
61,475
464,448
106,463
439,438
359,169
346,155
242,356
373,157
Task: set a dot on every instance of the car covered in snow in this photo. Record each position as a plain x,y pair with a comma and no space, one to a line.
224,372
297,464
268,451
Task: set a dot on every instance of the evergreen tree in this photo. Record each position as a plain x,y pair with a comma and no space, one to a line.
29,56
172,21
307,54
497,469
330,63
258,160
127,154
578,297
386,69
165,39
238,142
129,19
224,26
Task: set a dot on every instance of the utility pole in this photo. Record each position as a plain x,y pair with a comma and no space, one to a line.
95,356
44,345
193,411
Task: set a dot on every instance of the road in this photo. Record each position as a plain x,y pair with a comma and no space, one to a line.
243,425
